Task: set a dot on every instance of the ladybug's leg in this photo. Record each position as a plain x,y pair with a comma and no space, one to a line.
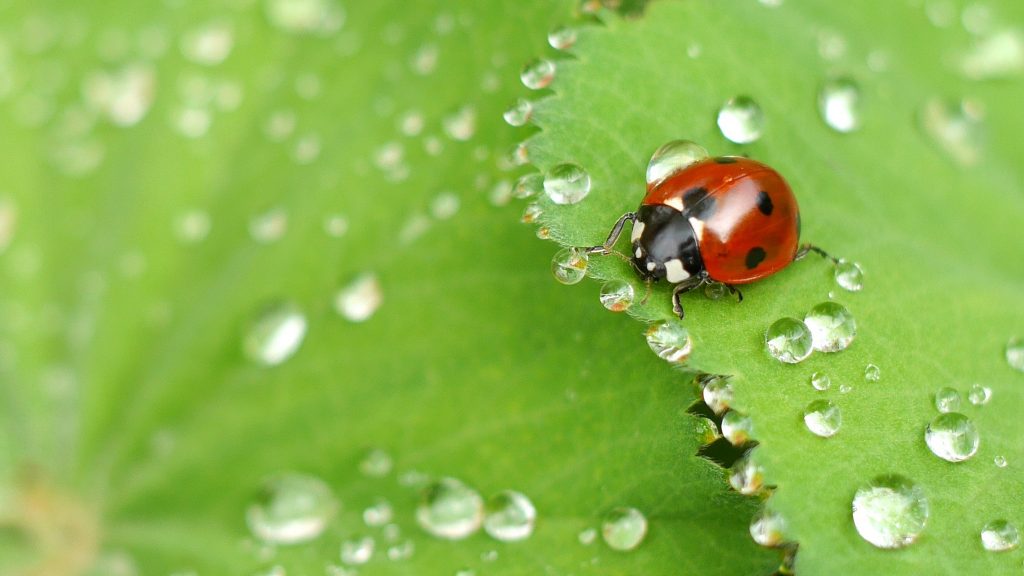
613,236
682,288
736,291
808,248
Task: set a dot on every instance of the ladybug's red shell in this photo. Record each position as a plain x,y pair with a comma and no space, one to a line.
744,216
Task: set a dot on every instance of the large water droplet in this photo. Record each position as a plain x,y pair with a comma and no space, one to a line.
746,476
979,395
360,299
821,381
717,393
275,334
849,275
890,512
789,340
357,550
823,418
1000,536
832,327
671,158
839,105
670,341
567,184
519,113
450,510
510,517
741,120
562,38
291,508
872,373
766,527
956,127
736,427
538,74
998,55
952,437
947,400
624,528
569,265
1014,353
617,295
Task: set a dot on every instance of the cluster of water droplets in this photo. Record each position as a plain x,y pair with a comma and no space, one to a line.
827,327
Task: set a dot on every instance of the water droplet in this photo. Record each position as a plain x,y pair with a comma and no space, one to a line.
320,17
269,226
358,550
192,121
821,381
401,551
450,510
952,437
335,225
624,529
671,158
567,184
360,299
832,327
461,125
376,463
519,113
562,38
1000,461
979,395
706,430
291,508
736,427
538,74
617,295
741,120
489,556
694,50
872,373
510,517
823,418
849,275
789,340
766,528
717,393
529,185
1014,350
839,104
209,44
124,96
192,226
424,61
715,290
275,334
956,127
587,536
947,400
307,149
746,476
670,341
280,125
1000,536
890,512
379,514
532,212
845,389
444,206
999,55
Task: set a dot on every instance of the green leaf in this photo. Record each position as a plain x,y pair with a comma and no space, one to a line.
934,223
135,430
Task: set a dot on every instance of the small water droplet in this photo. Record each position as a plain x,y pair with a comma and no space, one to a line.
694,50
567,184
741,120
335,225
280,125
424,60
519,113
849,275
379,514
587,536
529,185
624,529
209,44
670,341
977,18
823,418
890,512
360,299
952,437
845,389
357,550
275,334
956,127
736,427
562,38
401,551
450,510
947,400
998,55
444,206
831,45
489,556
671,158
766,528
832,327
715,290
1000,461
307,149
746,476
839,105
291,508
941,13
717,393
465,572
789,340
569,265
460,125
617,295
979,395
192,226
872,373
821,381
532,212
538,74
320,17
1015,353
706,430
1000,536
376,463
269,227
510,517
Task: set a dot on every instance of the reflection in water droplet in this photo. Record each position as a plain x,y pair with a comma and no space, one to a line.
450,510
624,529
1014,351
849,275
947,400
952,437
979,395
376,463
617,295
519,113
890,512
360,299
821,381
275,334
1000,536
717,393
745,476
741,120
671,158
670,341
766,527
569,265
510,517
832,327
956,127
788,340
291,508
736,427
823,418
562,38
538,74
872,373
567,184
839,105
357,550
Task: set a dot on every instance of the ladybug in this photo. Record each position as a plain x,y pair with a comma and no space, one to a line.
727,220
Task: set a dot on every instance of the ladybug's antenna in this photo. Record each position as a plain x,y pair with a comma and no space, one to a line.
647,292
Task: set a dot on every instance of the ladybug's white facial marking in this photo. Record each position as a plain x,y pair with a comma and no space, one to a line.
676,203
675,272
639,252
698,228
638,230
651,266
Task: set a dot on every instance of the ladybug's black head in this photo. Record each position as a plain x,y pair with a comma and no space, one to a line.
664,245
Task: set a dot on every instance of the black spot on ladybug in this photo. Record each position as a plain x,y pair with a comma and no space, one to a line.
764,203
725,160
755,257
693,196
